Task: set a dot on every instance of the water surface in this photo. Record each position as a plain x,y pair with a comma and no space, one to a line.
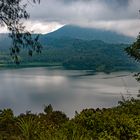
67,90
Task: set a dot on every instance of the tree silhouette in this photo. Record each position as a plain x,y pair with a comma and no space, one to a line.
12,12
134,51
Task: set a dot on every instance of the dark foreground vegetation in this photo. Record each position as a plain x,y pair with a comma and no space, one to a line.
117,123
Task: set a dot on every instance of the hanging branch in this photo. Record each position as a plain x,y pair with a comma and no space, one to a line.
11,14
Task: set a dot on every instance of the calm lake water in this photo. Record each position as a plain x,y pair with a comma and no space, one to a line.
32,88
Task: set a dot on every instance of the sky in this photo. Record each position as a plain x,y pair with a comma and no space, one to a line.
121,16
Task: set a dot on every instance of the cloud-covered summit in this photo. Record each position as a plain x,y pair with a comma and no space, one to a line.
117,15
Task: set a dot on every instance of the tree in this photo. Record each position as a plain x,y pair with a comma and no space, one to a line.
11,14
48,109
134,51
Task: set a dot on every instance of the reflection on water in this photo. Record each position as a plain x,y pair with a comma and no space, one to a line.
32,88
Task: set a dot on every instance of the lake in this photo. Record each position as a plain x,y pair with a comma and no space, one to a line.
67,90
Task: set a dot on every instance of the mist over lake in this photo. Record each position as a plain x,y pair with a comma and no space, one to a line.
67,90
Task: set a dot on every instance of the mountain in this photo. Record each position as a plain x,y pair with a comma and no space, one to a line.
74,47
80,54
76,32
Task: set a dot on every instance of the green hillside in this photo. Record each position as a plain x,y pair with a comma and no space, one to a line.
77,32
73,47
79,54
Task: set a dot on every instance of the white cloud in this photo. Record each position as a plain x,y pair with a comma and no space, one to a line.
38,27
42,27
3,30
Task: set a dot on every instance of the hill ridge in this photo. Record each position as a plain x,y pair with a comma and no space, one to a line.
72,31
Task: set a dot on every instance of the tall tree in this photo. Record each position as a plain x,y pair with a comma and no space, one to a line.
12,12
134,51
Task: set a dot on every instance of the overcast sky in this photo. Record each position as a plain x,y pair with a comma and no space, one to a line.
117,15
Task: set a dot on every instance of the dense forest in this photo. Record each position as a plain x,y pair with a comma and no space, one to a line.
78,54
117,123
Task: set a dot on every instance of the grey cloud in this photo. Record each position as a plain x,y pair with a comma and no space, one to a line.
123,2
85,12
69,10
118,2
110,2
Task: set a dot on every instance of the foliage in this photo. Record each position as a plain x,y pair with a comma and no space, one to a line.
134,51
27,127
12,12
117,123
78,54
48,109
